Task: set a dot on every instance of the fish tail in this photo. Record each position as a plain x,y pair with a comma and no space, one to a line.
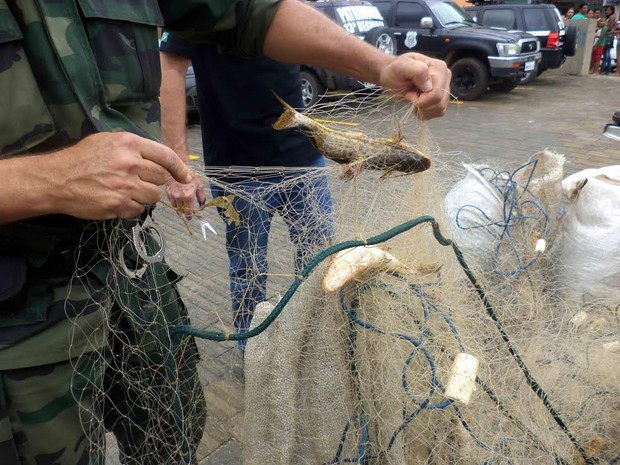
288,118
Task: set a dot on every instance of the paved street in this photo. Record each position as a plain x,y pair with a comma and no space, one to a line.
563,113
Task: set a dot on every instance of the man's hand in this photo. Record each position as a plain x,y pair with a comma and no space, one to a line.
113,175
424,81
182,196
106,175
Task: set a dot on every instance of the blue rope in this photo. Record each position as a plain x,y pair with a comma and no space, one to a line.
434,384
513,196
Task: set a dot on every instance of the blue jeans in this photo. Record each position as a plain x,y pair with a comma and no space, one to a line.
306,207
606,60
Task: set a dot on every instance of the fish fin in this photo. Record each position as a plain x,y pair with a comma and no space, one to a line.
219,202
350,171
225,204
399,133
398,136
230,212
286,119
232,217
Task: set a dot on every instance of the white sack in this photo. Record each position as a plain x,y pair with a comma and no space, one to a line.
587,256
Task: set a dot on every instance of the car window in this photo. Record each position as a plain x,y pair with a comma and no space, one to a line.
558,18
473,12
409,14
385,8
449,13
500,17
535,20
358,19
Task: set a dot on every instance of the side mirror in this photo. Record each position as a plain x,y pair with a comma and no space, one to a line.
427,22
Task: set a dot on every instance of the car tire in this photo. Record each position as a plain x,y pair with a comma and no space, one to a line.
311,88
570,41
383,39
470,79
506,85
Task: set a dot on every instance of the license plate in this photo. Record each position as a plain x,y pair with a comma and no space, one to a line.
529,65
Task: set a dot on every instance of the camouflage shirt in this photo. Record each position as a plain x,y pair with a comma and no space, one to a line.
71,68
85,66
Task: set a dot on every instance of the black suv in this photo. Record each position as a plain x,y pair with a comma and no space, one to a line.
557,41
360,18
479,57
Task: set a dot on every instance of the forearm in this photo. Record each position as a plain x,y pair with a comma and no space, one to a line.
301,34
173,106
174,68
28,188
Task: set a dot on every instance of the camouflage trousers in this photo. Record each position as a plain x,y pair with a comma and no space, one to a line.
57,414
136,381
41,422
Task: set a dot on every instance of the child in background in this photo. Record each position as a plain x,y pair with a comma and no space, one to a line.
598,47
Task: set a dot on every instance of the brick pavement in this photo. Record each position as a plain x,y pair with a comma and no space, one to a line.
562,113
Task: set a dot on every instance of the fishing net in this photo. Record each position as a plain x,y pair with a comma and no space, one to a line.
441,317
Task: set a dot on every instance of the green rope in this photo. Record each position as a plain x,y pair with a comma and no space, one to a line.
378,239
310,266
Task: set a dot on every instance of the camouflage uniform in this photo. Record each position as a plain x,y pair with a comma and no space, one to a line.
68,69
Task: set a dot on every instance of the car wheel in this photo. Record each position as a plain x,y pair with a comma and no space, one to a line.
383,39
505,85
470,79
311,88
570,41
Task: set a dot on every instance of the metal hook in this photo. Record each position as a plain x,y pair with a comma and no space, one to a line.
132,274
148,227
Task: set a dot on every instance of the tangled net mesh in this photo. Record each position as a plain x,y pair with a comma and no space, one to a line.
362,373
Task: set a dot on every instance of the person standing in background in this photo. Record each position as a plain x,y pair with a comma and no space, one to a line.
617,40
600,36
582,11
610,19
237,105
